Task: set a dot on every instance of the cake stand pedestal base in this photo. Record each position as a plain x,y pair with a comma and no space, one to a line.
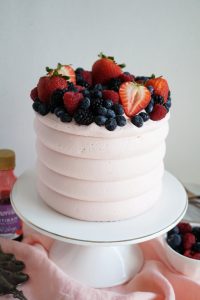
99,254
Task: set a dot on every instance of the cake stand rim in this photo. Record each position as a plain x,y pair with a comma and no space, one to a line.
93,242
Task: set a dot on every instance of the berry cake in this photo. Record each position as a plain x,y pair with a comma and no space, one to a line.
100,140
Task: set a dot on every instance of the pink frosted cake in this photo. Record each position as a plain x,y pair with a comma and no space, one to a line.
100,140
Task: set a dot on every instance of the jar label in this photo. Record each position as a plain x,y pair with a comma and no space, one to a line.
10,224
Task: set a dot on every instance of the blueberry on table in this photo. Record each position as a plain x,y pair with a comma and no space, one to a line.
110,113
59,111
43,109
118,109
173,230
149,107
100,120
36,105
85,103
144,116
108,103
65,118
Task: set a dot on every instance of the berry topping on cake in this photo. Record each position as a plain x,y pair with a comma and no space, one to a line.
110,95
34,94
105,69
126,76
160,87
111,124
72,101
65,71
134,97
188,240
158,112
137,121
47,85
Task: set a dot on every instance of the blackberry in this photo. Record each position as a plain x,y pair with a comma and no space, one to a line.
65,117
121,121
137,121
83,117
144,116
36,105
85,103
114,84
97,94
118,109
96,103
56,99
107,103
111,124
100,120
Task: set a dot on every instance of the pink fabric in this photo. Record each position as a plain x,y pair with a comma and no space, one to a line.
156,281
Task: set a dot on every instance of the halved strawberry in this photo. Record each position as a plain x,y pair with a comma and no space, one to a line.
71,101
105,69
64,70
134,97
160,86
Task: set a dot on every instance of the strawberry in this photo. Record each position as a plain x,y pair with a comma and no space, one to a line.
34,94
188,253
71,101
105,69
65,71
124,77
158,112
111,95
134,97
47,85
196,256
42,88
160,86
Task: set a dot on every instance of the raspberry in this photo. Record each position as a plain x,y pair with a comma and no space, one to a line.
158,112
34,94
124,77
87,77
71,101
111,95
188,240
184,227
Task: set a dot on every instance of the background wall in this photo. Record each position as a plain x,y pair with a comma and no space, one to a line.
161,37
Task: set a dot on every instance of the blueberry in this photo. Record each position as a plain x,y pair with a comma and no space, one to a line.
168,104
111,113
173,230
144,116
86,93
121,121
57,98
98,87
111,124
158,99
97,94
174,240
65,118
118,109
196,247
79,70
85,103
137,121
36,105
107,103
43,109
58,111
150,88
100,120
101,111
149,107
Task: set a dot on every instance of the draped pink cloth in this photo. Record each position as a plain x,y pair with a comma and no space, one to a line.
156,281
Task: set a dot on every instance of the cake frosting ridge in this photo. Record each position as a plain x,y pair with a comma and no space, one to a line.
93,171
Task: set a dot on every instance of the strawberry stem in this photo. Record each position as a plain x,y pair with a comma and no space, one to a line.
101,55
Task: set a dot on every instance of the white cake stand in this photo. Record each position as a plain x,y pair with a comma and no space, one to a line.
99,254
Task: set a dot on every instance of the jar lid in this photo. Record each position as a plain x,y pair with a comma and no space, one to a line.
7,159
